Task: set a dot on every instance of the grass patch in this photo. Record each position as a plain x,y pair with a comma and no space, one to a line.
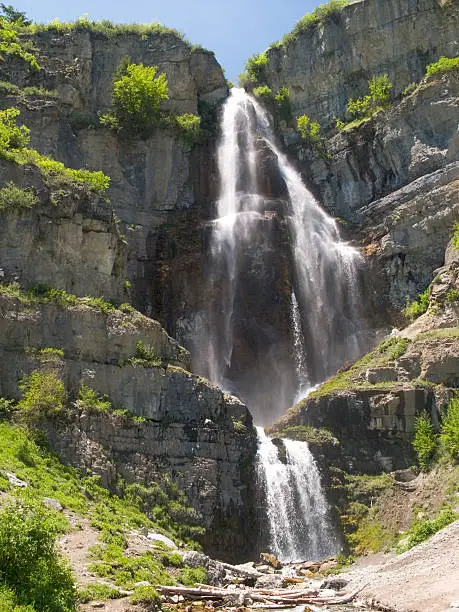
442,66
13,147
419,306
98,591
319,16
422,530
13,197
308,434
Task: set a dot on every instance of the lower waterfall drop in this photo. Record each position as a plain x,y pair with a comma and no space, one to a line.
299,521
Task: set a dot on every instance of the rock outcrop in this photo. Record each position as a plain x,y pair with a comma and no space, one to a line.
328,64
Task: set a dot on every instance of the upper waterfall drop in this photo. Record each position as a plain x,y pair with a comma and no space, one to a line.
270,240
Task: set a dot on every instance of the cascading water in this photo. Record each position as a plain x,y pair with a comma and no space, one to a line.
316,283
299,522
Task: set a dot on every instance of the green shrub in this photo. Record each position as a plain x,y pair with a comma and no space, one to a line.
419,306
13,197
425,441
455,237
421,531
146,595
43,395
189,126
11,15
442,66
308,130
11,135
89,401
264,92
379,96
283,106
409,89
10,44
97,591
256,68
29,564
137,95
449,433
190,576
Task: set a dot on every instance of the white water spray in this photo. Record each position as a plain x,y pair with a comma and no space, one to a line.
299,522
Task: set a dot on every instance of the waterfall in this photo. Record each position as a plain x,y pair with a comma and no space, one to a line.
299,523
245,347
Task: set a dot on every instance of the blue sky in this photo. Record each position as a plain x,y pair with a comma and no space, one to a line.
234,29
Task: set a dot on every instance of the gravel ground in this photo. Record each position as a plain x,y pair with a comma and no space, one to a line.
423,579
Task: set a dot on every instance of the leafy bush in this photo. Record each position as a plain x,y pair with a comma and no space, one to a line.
13,197
44,394
425,441
11,15
256,68
449,434
393,348
146,595
283,106
421,531
409,89
89,401
11,135
442,66
98,591
419,306
455,238
29,564
379,96
190,576
263,91
11,44
190,126
308,130
137,95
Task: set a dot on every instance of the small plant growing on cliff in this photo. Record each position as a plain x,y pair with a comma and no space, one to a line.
283,105
418,306
455,238
442,66
89,401
43,395
13,197
256,68
263,92
137,95
449,434
420,531
189,126
425,441
379,96
308,130
10,43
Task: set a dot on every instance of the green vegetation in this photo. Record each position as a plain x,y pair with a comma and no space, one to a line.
456,235
305,433
255,68
146,595
31,572
138,92
43,294
8,88
105,28
10,43
409,89
43,395
425,441
13,197
449,434
283,105
13,147
264,92
11,15
362,109
442,66
318,17
97,591
89,401
422,530
419,306
308,130
452,296
190,576
145,356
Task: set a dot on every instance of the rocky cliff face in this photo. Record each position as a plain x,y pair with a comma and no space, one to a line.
326,65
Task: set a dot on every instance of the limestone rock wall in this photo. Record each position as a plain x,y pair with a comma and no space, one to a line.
327,65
